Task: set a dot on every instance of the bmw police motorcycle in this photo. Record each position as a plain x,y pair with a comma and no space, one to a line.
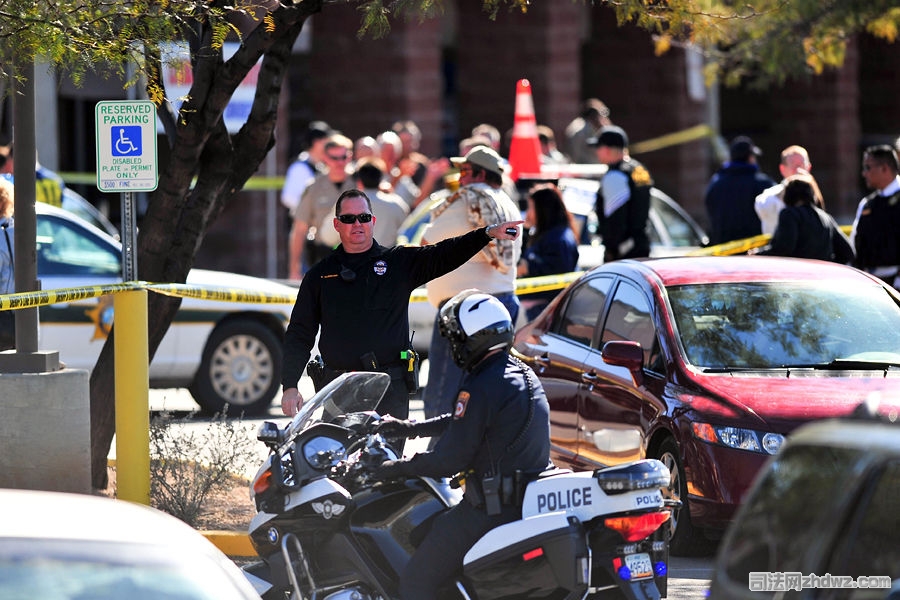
327,530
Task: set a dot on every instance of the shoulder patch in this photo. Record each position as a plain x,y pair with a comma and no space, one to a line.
641,176
462,401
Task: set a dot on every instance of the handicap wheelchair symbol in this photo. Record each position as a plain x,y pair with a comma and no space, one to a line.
126,141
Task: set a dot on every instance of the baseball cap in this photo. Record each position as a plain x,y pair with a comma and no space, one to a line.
317,130
742,147
484,157
610,135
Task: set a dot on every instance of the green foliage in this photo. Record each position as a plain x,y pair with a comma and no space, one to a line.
751,40
103,36
376,16
188,464
762,41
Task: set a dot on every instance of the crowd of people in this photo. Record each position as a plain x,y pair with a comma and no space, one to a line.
743,202
473,190
332,163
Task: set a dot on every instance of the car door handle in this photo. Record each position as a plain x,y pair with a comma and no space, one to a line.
541,363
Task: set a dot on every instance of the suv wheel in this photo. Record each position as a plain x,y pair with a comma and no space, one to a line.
240,369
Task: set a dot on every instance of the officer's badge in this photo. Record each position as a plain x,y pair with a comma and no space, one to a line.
641,176
380,267
462,401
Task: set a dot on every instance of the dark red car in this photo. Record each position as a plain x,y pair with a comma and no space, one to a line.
707,363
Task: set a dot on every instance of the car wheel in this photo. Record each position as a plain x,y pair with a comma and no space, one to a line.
683,538
240,369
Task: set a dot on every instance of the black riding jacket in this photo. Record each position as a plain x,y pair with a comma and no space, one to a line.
496,427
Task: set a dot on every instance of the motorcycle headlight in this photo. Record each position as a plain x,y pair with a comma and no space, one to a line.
323,452
762,442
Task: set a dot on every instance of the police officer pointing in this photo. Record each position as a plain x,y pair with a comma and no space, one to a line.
359,295
498,436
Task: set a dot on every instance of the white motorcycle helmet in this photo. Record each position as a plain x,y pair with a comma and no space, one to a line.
475,323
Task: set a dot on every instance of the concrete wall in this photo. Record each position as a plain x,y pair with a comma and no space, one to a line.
45,431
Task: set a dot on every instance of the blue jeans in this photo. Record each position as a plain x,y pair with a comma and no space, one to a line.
443,374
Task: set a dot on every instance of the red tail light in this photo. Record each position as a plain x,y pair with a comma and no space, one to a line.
637,527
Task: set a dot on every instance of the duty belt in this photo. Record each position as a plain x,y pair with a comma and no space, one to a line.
395,370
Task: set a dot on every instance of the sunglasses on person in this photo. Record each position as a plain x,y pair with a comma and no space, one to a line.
338,157
350,219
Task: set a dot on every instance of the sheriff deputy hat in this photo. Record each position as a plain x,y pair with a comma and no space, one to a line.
610,135
484,157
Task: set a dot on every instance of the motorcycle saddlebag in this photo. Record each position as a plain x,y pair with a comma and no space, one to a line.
539,557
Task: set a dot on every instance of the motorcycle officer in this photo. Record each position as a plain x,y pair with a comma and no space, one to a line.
498,437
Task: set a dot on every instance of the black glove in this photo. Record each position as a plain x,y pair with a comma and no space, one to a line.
394,428
389,469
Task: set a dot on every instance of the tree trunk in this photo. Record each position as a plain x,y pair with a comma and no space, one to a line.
178,215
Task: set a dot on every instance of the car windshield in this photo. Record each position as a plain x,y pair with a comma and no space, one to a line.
776,325
356,391
71,570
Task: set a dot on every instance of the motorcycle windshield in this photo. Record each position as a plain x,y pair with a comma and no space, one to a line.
357,391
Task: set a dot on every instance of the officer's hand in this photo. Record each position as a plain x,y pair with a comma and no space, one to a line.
291,401
389,469
388,426
506,231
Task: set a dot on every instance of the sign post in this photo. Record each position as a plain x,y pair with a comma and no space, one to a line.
126,163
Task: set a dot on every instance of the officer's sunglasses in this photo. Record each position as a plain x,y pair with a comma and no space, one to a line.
350,219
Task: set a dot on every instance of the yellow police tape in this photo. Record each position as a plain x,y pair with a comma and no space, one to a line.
33,299
684,136
524,286
45,297
742,246
220,294
276,182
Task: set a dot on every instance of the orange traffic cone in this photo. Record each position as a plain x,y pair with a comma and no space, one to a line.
524,148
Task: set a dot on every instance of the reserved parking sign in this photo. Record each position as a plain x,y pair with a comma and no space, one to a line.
126,146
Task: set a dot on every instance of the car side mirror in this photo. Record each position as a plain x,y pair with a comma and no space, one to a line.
625,354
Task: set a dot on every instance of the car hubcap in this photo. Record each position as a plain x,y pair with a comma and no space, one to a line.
673,491
241,370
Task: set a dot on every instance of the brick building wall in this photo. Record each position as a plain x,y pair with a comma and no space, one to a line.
361,86
820,114
648,96
453,72
542,46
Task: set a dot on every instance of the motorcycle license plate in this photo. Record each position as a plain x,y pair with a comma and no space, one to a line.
639,565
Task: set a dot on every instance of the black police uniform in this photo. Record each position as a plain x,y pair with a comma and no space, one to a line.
361,302
878,233
500,425
627,225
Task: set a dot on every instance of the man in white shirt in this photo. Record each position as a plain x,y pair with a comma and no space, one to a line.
479,201
794,159
308,164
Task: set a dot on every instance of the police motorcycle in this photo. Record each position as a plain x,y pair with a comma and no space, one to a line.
326,530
